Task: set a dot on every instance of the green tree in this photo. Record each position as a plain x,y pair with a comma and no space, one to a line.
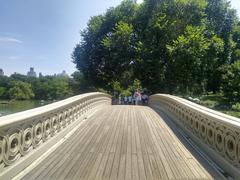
119,52
189,55
3,92
136,85
59,88
5,85
171,46
221,19
79,84
21,91
117,87
231,82
93,56
236,39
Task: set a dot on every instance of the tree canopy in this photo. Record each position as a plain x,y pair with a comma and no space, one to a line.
21,87
171,46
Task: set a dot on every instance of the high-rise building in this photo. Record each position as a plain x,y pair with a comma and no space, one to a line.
40,75
63,74
1,72
31,73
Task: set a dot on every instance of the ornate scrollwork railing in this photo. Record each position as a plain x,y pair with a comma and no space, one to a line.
22,132
216,133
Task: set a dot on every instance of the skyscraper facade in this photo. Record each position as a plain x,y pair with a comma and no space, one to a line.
1,72
31,73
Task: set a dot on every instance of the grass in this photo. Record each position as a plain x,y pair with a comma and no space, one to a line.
218,102
232,113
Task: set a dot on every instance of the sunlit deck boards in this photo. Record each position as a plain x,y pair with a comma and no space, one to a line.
121,142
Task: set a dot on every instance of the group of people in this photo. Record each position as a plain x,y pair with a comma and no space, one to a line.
136,99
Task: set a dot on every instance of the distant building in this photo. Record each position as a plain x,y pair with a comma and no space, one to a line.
1,72
40,75
63,74
31,73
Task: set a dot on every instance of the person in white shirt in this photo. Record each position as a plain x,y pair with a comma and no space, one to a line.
119,99
129,99
125,99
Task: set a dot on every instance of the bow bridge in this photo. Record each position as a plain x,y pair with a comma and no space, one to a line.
85,137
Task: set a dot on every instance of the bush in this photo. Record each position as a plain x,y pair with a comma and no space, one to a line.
236,107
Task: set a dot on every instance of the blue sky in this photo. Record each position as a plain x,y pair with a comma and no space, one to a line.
43,33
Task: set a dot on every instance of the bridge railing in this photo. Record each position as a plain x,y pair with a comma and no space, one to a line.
216,133
21,133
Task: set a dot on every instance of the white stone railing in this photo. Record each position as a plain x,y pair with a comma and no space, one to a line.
217,134
21,133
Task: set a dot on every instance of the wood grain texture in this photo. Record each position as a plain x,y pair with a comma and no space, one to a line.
122,142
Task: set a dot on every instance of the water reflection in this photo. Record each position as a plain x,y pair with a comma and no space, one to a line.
9,107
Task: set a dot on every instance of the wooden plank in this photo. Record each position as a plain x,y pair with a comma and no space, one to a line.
122,164
147,166
141,167
106,150
135,173
121,142
158,173
117,157
163,166
112,149
169,164
170,153
83,161
80,147
129,152
54,159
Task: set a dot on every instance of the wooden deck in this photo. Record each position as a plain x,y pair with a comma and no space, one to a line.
122,142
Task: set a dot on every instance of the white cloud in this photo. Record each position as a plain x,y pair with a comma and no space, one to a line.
139,1
236,5
10,40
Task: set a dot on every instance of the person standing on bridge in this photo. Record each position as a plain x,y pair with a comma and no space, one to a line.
120,99
125,99
144,99
138,97
130,99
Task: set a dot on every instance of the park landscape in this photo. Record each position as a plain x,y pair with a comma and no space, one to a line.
183,55
181,47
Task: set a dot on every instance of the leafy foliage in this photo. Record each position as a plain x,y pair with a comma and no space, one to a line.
21,87
189,55
21,91
171,46
231,82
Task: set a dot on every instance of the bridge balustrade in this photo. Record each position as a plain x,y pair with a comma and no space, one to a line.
22,133
216,133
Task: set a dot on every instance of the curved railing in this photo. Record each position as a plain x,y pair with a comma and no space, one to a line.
216,133
23,132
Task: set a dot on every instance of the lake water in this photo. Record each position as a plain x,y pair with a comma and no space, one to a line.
17,106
